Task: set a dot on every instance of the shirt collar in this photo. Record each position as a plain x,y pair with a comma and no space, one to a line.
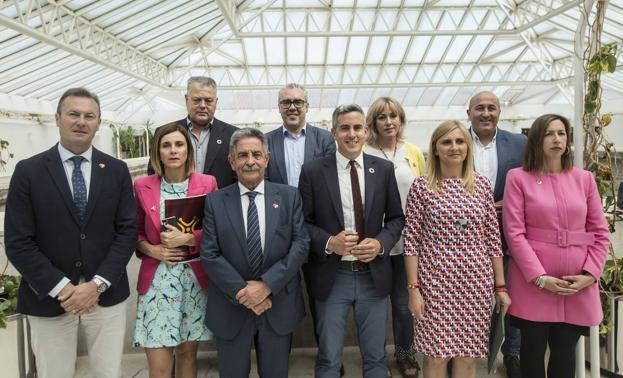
477,139
258,189
189,124
344,162
66,154
287,133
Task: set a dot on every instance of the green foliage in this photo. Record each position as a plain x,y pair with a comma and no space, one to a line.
8,296
128,142
5,154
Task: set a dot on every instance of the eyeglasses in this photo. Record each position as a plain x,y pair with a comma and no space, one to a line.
287,103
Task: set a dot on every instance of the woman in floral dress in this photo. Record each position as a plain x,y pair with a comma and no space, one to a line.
453,256
172,298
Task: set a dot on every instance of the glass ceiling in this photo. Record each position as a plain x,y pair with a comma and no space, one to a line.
137,55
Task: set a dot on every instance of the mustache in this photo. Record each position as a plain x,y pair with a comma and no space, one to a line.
253,168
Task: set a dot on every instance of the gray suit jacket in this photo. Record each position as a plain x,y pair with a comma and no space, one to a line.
318,143
224,255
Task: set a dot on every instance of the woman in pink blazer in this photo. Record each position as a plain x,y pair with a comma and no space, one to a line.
558,241
172,300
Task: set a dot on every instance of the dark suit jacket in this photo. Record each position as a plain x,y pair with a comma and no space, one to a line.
318,143
216,163
45,241
324,217
510,148
224,255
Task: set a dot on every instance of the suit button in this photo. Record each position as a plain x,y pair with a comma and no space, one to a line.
83,236
78,264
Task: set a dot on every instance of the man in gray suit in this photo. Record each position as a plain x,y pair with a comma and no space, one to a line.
296,142
254,243
497,151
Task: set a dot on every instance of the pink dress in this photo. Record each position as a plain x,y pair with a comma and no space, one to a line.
454,234
554,224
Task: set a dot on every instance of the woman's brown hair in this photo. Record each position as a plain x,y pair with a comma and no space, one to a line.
534,156
154,155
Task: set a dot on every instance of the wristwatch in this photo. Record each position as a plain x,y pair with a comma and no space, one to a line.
101,285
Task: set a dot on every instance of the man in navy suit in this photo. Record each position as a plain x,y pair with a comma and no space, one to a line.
210,136
354,217
70,230
497,151
254,243
295,142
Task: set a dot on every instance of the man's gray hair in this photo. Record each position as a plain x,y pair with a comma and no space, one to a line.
203,81
343,109
293,86
247,132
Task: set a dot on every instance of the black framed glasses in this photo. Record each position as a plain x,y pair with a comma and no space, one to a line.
287,103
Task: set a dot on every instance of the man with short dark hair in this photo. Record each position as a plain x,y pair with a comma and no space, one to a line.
70,230
354,217
210,136
296,141
254,243
497,151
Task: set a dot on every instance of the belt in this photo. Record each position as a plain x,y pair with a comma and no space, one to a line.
355,266
562,238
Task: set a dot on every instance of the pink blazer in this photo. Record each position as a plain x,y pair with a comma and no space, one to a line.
554,225
147,192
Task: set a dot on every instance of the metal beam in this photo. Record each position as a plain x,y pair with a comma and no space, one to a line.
80,37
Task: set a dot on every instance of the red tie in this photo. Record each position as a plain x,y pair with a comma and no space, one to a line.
357,203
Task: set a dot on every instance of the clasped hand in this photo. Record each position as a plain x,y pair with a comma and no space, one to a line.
169,250
254,296
345,243
80,299
568,285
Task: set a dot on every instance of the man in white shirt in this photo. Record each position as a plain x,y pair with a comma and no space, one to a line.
70,230
497,151
354,216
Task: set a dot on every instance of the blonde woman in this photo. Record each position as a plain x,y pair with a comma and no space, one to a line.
386,121
453,256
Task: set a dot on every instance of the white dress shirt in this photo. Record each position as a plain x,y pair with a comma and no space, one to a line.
260,200
346,193
486,157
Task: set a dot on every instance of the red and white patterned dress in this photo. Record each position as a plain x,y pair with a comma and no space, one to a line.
454,234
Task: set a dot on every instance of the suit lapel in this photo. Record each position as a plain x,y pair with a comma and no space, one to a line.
280,156
370,175
501,147
57,172
215,143
98,172
310,139
333,187
272,210
234,214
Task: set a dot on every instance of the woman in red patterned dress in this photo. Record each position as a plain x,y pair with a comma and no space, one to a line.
453,256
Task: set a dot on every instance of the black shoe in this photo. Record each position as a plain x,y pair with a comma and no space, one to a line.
513,366
342,370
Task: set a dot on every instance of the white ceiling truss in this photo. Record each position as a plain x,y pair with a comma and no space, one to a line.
139,54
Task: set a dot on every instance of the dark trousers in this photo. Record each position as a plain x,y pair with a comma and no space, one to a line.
272,351
561,338
402,321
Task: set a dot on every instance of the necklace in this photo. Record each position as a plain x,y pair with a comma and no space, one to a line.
387,157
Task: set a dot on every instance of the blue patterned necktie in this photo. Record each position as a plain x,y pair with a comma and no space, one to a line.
254,242
79,187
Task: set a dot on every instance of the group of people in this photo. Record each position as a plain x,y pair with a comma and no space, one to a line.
491,221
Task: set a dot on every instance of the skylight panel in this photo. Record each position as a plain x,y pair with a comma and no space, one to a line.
356,50
337,50
275,53
296,50
316,50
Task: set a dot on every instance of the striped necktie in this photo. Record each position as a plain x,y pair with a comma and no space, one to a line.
254,242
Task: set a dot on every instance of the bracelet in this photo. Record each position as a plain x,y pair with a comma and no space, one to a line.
500,290
500,286
414,285
540,281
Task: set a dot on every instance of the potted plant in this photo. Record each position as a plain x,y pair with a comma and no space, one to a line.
9,285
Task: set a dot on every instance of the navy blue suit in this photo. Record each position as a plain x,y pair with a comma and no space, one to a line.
45,240
224,255
510,148
335,290
318,143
